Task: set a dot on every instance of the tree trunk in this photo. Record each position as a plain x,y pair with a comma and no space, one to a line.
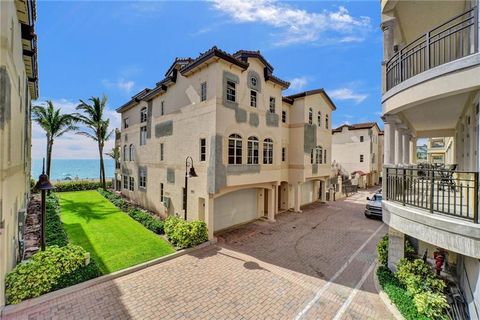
102,168
49,156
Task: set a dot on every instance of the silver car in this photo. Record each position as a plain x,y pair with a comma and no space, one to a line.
374,206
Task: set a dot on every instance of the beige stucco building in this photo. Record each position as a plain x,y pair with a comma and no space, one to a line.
255,151
18,85
431,88
358,149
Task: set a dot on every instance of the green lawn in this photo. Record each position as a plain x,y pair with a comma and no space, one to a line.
111,236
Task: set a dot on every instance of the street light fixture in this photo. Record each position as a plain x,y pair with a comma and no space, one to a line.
43,185
188,174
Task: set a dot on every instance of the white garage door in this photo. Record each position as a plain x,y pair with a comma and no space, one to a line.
235,208
307,192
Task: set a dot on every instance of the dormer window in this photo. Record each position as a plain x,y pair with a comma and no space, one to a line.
143,115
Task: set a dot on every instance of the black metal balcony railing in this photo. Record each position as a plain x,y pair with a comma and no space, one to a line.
452,40
443,191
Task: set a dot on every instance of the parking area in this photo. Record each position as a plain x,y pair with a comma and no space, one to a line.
317,264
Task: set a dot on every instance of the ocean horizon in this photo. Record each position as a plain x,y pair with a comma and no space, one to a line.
71,169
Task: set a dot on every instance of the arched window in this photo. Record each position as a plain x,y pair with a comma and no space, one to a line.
310,116
319,119
326,121
267,151
125,153
132,153
252,156
234,149
143,114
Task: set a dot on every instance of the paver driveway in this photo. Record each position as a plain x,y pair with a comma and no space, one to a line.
311,265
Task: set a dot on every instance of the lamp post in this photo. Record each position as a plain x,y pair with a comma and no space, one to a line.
188,174
43,185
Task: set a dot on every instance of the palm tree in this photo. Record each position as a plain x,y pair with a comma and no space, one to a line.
92,117
55,125
114,153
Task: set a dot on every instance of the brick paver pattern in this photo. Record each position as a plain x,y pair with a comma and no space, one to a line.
262,270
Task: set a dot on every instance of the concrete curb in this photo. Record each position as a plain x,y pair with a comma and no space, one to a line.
11,309
386,300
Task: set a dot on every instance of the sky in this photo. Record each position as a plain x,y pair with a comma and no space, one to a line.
117,48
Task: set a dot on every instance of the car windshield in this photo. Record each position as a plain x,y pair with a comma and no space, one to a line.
378,197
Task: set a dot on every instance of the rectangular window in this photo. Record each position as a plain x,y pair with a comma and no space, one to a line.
143,136
143,115
284,116
132,184
162,152
142,183
253,98
361,138
311,156
361,158
325,156
272,105
230,91
203,149
161,193
318,156
203,91
267,152
125,123
284,154
162,108
125,182
373,157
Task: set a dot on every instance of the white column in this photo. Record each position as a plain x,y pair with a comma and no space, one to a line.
298,197
398,146
413,150
271,204
209,210
323,195
406,147
389,142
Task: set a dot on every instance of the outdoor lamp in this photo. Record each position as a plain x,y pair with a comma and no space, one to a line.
43,185
188,174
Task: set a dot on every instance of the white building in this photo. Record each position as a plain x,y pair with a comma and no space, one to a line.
255,151
431,88
358,149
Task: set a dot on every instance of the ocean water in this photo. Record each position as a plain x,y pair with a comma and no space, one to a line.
71,168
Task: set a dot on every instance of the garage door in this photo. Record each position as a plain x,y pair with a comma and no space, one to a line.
307,192
235,208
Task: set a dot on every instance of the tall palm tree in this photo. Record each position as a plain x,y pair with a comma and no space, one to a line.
114,153
92,117
55,125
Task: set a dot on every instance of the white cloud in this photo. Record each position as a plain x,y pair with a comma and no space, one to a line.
298,83
122,84
70,145
347,94
297,25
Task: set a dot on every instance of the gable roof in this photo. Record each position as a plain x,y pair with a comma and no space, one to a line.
211,53
357,126
312,92
245,54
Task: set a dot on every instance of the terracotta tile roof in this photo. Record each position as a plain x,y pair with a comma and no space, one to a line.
357,126
312,92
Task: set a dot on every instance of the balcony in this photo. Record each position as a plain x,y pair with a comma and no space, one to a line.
437,191
454,39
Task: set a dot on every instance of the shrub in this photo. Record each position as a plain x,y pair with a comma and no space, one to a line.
150,222
398,294
117,200
382,249
54,232
84,273
79,185
425,287
47,271
185,234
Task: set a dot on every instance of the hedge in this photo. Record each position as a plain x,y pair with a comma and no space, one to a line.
54,232
185,234
147,219
49,270
79,185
